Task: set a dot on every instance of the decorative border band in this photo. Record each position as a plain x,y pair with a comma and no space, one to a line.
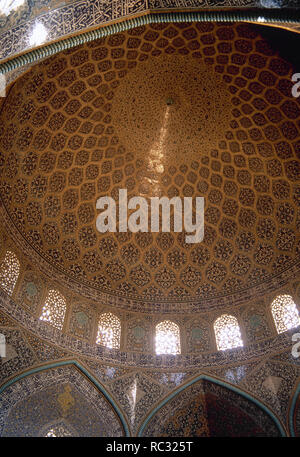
72,344
256,16
166,305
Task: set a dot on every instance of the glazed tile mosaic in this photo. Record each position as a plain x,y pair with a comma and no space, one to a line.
199,411
151,335
46,402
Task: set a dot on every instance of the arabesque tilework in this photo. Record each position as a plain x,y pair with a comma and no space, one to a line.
63,143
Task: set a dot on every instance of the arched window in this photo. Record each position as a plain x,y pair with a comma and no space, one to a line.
54,309
227,332
167,338
285,313
109,331
9,271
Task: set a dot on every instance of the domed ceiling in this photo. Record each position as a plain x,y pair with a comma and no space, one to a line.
175,110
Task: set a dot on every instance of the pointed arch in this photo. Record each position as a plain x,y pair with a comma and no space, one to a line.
203,377
100,387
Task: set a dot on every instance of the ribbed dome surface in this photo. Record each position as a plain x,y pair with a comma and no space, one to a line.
175,110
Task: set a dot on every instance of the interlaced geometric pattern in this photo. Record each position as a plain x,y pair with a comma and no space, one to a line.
167,338
66,157
227,332
9,271
109,331
57,431
285,313
54,309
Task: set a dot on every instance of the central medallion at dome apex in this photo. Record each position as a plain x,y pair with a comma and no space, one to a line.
170,110
98,118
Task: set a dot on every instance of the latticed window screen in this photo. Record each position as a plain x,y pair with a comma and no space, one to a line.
167,338
9,271
109,331
227,332
57,431
54,309
285,313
